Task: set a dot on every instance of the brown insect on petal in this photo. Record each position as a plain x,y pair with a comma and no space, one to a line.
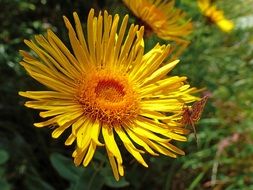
192,114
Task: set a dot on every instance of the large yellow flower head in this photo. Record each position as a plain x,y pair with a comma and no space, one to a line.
108,87
160,17
216,16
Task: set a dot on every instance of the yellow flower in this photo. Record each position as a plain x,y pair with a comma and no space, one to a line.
108,87
163,19
216,16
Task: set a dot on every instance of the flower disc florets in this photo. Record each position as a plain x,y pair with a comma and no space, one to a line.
108,97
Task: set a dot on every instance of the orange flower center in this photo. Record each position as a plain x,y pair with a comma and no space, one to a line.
108,96
110,91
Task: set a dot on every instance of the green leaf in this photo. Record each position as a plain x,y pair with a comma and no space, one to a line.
2,171
65,167
196,181
99,156
4,185
110,180
89,179
35,183
79,178
4,156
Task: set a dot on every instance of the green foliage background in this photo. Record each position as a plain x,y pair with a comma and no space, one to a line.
223,63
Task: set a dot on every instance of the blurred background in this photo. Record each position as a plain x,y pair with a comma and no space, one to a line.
221,62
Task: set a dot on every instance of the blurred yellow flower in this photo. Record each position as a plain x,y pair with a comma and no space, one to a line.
214,15
108,87
163,19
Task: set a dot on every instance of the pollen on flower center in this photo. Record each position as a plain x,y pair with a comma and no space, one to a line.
108,96
110,90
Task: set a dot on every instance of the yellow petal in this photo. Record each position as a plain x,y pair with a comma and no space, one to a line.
146,133
110,142
113,164
78,155
60,110
160,73
70,140
81,55
83,135
40,95
130,147
95,131
46,123
161,149
89,154
173,148
79,31
79,123
161,85
141,142
59,130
